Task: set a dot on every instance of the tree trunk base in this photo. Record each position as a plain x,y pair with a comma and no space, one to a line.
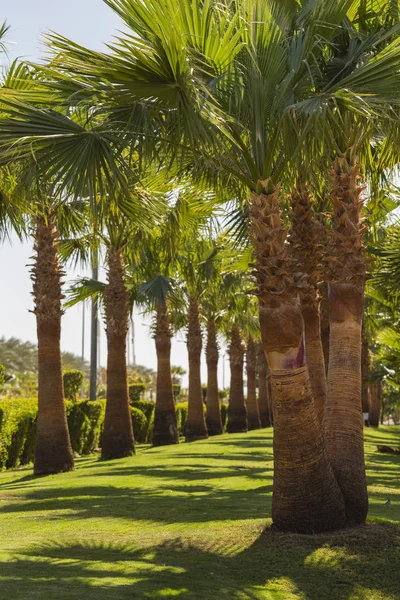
165,430
117,446
237,421
194,433
214,427
52,459
253,423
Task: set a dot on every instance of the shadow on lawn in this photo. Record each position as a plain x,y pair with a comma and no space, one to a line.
315,568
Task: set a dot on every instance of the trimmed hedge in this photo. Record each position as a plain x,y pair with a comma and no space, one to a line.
73,380
2,374
136,391
146,406
17,431
139,424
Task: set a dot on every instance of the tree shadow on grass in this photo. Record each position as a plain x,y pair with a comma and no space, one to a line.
274,566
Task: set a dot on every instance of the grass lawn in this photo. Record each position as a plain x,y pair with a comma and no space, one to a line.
188,522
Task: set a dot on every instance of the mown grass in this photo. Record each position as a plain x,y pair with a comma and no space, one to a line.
189,522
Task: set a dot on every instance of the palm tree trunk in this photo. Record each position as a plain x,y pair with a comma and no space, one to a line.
325,325
196,425
376,404
237,413
365,371
264,389
306,497
214,421
165,430
253,415
53,452
117,438
343,416
305,237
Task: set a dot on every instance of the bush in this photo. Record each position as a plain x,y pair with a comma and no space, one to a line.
181,416
17,431
139,424
222,394
95,411
204,392
146,406
136,391
176,387
224,414
72,384
2,374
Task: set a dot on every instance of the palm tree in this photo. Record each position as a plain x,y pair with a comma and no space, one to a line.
234,108
264,388
253,414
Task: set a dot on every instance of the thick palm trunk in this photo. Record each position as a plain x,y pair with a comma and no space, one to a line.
376,404
214,421
253,415
264,389
53,452
117,438
237,413
196,425
306,497
365,371
343,415
325,325
306,255
165,430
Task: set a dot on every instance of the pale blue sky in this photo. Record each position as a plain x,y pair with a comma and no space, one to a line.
91,23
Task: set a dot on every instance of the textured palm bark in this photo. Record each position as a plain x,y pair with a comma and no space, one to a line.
165,430
196,428
305,244
213,418
53,452
365,372
237,412
264,389
253,415
325,325
117,439
376,403
343,416
306,497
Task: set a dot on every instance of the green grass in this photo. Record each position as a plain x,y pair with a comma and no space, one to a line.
188,522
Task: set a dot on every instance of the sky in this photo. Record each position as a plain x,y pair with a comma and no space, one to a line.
90,23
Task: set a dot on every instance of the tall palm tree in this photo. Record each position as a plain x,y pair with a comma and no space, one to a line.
234,110
264,388
253,413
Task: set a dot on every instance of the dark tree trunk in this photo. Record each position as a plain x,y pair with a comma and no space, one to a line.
253,415
344,433
165,430
264,389
306,497
53,452
214,421
237,413
376,403
196,425
117,438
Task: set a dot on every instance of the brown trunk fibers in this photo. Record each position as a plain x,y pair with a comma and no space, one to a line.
306,255
376,403
264,389
253,415
117,439
53,452
214,421
346,275
165,430
196,425
237,413
306,497
325,325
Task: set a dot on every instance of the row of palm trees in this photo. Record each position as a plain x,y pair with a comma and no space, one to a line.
259,101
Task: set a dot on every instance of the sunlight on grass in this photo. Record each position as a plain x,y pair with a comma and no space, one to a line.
188,522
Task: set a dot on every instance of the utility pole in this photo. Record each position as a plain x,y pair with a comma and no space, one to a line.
93,339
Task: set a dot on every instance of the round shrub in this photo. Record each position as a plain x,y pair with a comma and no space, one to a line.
224,414
136,391
139,424
181,416
72,384
146,406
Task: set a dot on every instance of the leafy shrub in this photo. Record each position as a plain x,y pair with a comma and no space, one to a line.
136,391
146,406
95,411
181,416
72,384
17,427
2,374
176,387
222,394
224,414
139,424
78,424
